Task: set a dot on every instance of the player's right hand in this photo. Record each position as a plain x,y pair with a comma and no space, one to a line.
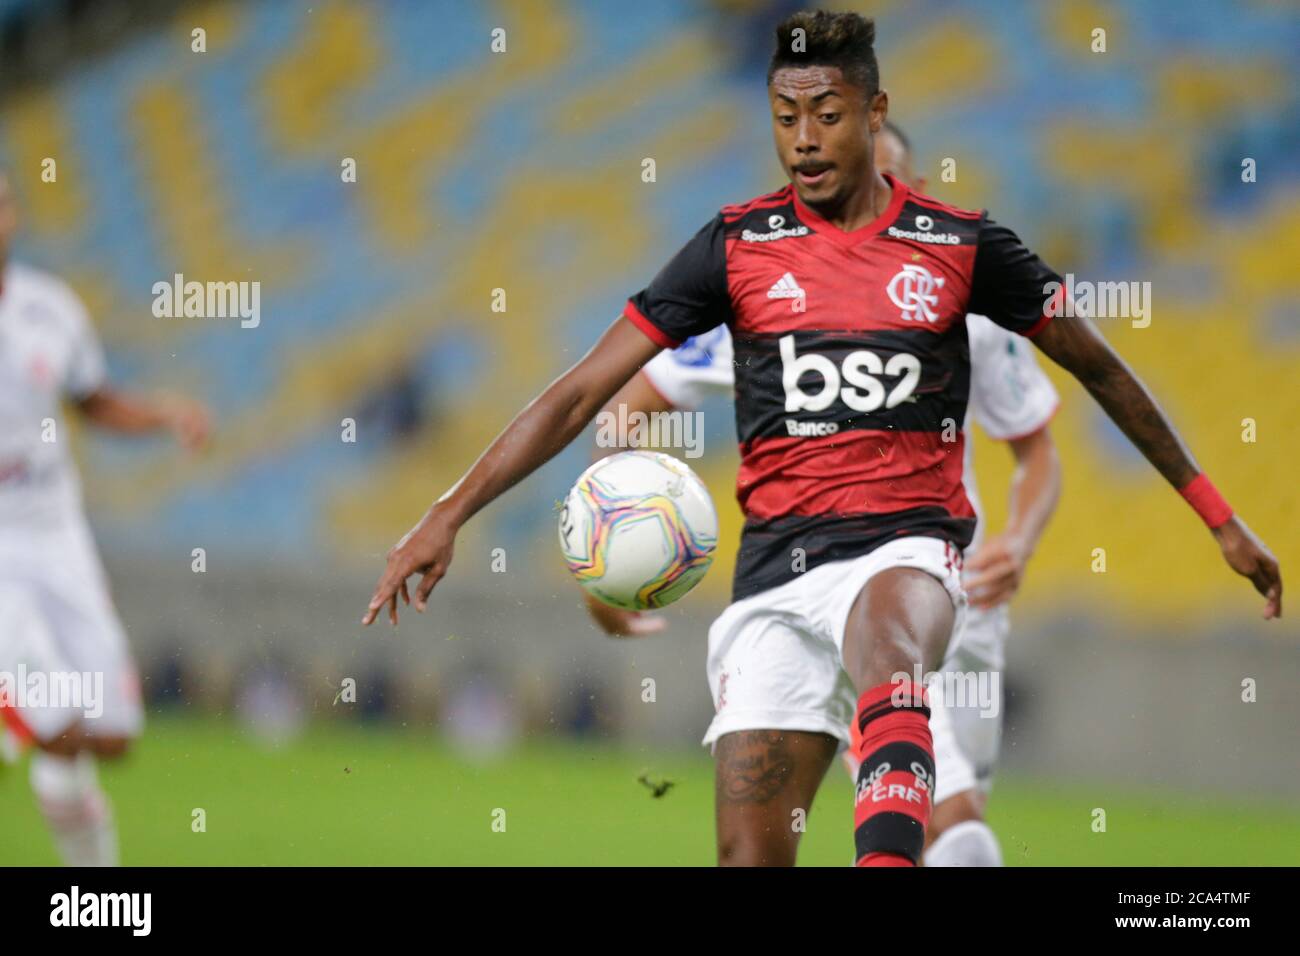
426,550
1249,557
617,622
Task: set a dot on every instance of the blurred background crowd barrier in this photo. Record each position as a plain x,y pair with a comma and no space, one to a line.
522,170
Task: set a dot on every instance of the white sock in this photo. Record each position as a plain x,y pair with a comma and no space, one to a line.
75,808
969,843
10,748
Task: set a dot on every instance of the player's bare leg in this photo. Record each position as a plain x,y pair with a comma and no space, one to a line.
75,741
65,781
959,808
899,624
763,778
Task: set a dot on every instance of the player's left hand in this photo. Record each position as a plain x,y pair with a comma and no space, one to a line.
188,420
1250,557
425,550
993,574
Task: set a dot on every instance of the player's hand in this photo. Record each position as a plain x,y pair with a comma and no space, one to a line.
426,550
993,574
617,622
1249,557
188,420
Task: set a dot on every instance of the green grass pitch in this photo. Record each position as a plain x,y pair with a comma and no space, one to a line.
360,795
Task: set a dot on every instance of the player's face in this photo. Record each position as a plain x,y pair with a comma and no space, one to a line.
823,126
8,219
892,157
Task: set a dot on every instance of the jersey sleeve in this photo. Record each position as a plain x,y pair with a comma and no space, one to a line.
1010,283
689,296
701,366
1010,395
86,370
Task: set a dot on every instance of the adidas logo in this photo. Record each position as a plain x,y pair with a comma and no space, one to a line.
785,288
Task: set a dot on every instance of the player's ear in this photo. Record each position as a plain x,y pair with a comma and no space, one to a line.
879,109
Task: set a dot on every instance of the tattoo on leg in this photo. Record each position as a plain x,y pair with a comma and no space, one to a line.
755,764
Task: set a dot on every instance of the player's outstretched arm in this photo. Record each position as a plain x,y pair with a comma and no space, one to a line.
536,435
1076,345
131,414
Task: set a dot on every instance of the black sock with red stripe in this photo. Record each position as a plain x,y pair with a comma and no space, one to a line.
896,778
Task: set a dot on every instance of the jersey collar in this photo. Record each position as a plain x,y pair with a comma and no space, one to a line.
838,235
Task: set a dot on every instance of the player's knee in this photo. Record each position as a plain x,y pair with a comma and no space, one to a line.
66,744
75,741
891,651
109,748
899,622
897,651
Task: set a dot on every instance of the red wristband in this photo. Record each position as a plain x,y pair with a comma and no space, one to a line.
1206,500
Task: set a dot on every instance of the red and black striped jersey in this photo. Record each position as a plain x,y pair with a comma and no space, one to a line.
852,365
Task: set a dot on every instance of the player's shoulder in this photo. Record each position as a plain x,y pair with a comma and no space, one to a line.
37,286
733,211
764,218
923,218
942,208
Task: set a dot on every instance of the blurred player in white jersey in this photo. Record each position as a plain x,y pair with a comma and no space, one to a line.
1013,401
58,626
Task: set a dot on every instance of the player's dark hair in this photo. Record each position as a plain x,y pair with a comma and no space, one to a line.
820,38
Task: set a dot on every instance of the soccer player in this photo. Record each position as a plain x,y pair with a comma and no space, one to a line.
1013,401
56,616
846,295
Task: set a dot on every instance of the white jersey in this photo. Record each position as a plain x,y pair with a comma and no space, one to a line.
1010,396
48,352
699,367
56,615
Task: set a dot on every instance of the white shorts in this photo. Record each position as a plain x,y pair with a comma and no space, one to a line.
966,706
60,637
775,658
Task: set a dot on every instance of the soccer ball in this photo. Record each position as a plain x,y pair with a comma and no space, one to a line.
638,530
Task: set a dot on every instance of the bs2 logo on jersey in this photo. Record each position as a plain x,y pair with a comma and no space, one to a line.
855,381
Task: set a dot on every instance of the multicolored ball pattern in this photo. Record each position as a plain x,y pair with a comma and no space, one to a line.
638,530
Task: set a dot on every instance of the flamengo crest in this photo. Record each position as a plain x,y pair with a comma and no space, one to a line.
916,292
